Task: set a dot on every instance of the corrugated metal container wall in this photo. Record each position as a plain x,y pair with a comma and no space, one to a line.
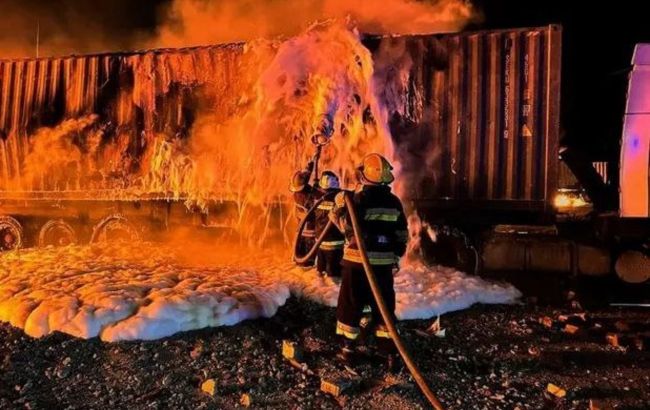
131,93
488,106
31,93
480,110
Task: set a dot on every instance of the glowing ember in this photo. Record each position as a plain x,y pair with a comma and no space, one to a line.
117,293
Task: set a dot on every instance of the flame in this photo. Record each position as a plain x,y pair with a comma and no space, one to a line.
247,138
253,108
302,90
55,160
191,22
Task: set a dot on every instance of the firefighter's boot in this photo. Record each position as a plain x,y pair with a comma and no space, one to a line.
348,354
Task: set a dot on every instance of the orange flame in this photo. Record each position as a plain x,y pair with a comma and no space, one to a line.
255,107
191,22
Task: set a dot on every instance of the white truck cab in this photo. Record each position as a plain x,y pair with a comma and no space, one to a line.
635,145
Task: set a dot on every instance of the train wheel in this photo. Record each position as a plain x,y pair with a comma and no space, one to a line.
114,228
11,234
56,233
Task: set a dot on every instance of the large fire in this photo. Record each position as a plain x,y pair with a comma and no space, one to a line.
210,124
217,123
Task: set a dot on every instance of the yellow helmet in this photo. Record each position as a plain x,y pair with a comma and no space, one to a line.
375,170
299,181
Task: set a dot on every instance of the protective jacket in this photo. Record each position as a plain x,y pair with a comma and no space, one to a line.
304,200
382,221
334,239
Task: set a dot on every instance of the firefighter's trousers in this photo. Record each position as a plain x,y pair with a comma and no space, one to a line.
355,293
328,261
304,245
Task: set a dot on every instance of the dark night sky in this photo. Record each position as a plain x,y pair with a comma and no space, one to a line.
598,45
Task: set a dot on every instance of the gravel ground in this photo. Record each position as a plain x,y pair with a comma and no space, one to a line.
493,357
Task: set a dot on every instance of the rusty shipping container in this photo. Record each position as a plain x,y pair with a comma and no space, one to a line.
480,110
483,117
129,97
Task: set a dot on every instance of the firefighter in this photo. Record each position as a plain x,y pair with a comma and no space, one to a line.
303,196
384,229
330,251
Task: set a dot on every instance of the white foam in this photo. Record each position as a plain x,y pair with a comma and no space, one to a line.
423,292
117,293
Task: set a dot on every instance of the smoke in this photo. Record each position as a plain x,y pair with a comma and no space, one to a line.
194,22
253,114
77,26
74,26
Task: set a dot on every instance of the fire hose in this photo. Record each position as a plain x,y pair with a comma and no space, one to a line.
376,292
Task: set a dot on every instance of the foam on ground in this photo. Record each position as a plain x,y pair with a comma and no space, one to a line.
118,292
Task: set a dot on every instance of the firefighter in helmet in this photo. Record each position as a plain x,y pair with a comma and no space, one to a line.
384,230
330,251
303,197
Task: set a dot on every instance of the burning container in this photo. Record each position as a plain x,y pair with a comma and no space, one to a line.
98,146
75,132
474,119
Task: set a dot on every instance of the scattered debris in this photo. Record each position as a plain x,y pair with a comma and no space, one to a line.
617,333
488,355
598,405
556,391
245,400
546,321
335,387
436,329
291,351
612,339
351,371
573,318
209,386
582,316
197,351
534,351
301,366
